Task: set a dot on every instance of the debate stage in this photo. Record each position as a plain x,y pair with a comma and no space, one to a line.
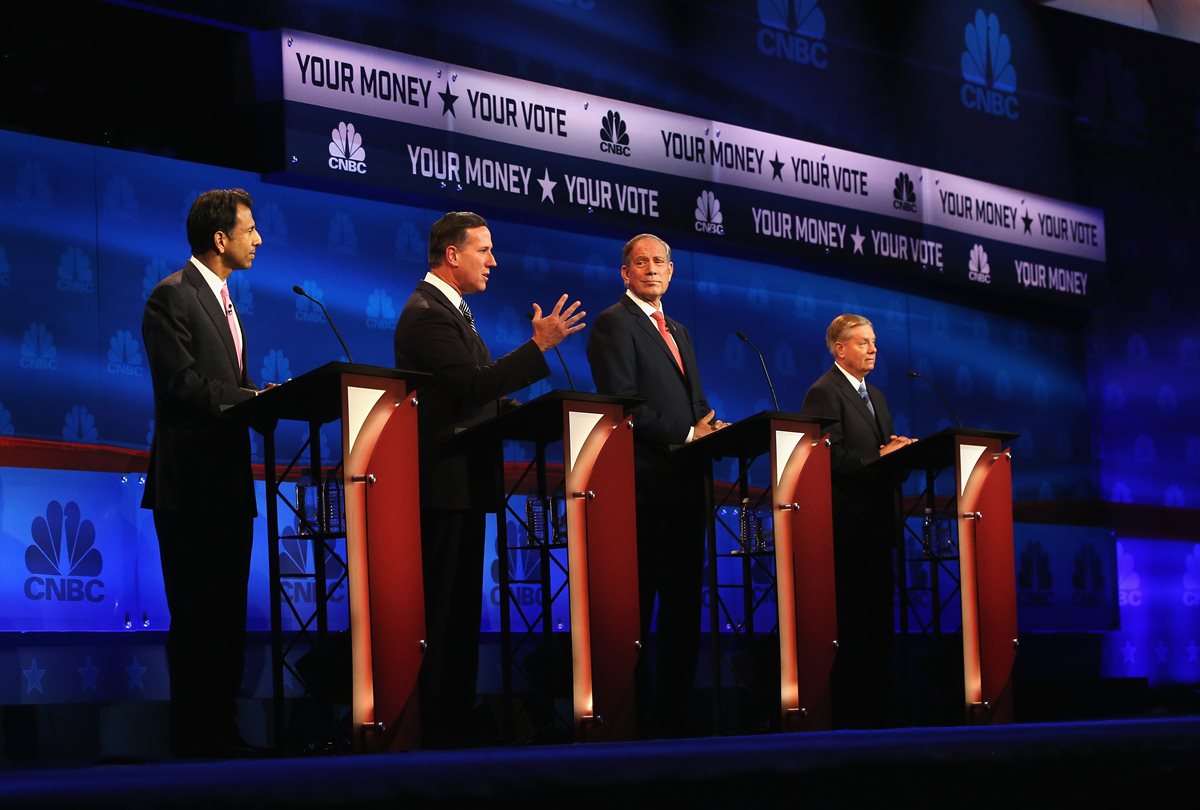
1074,764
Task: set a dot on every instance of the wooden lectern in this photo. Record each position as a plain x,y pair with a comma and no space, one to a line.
597,440
982,507
378,414
801,512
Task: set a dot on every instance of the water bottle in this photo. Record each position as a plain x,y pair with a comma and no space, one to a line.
307,506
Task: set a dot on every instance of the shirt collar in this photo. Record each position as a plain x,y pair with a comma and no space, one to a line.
212,279
853,380
649,309
445,289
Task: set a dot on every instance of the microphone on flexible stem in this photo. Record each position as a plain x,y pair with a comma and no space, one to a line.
936,390
298,290
742,336
561,362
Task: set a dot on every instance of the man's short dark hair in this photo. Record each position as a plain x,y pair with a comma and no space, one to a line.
451,229
214,211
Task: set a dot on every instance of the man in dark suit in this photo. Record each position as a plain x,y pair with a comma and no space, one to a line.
636,351
200,483
865,523
436,333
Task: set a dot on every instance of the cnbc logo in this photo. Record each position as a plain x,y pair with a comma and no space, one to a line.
524,566
904,196
296,570
709,218
793,30
381,313
346,151
977,266
989,78
614,136
63,563
124,356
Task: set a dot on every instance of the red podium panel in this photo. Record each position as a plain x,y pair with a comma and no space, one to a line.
989,604
801,507
597,442
376,407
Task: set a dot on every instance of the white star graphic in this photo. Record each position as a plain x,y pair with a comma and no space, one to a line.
1128,652
135,671
34,676
547,186
88,672
858,238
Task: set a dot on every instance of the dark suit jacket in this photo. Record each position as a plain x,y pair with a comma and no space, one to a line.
432,335
199,460
855,436
630,358
864,501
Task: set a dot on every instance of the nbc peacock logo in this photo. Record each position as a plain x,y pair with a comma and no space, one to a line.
989,78
346,152
63,561
614,135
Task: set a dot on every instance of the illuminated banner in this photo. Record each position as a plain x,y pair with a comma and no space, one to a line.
380,120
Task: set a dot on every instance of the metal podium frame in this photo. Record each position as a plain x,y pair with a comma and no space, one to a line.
378,469
598,494
799,500
980,510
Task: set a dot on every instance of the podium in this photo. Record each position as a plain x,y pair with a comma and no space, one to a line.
981,509
798,502
382,533
600,545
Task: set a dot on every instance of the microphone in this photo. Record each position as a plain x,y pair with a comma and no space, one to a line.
767,374
298,290
561,362
936,390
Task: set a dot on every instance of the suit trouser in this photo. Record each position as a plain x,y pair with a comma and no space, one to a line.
671,532
206,567
452,563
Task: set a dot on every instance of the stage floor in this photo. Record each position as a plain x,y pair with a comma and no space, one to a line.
1077,764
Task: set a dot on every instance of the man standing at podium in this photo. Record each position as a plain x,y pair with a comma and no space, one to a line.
636,351
865,523
436,333
199,481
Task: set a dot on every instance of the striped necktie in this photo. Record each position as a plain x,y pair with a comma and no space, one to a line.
466,311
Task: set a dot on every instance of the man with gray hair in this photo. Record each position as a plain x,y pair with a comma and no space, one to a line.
636,351
865,523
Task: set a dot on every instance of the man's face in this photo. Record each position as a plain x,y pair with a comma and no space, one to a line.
240,242
648,271
471,264
856,351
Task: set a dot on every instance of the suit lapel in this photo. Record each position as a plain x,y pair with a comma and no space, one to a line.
646,325
856,401
469,335
209,303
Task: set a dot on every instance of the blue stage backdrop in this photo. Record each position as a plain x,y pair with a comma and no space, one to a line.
87,232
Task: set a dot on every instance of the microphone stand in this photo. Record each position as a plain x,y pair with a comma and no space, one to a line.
298,290
937,391
775,399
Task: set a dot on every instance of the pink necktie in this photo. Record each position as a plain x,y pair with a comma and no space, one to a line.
233,324
666,334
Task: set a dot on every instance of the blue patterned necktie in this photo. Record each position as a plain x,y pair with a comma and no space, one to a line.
862,392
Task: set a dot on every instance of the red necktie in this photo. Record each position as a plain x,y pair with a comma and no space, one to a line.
666,334
233,324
